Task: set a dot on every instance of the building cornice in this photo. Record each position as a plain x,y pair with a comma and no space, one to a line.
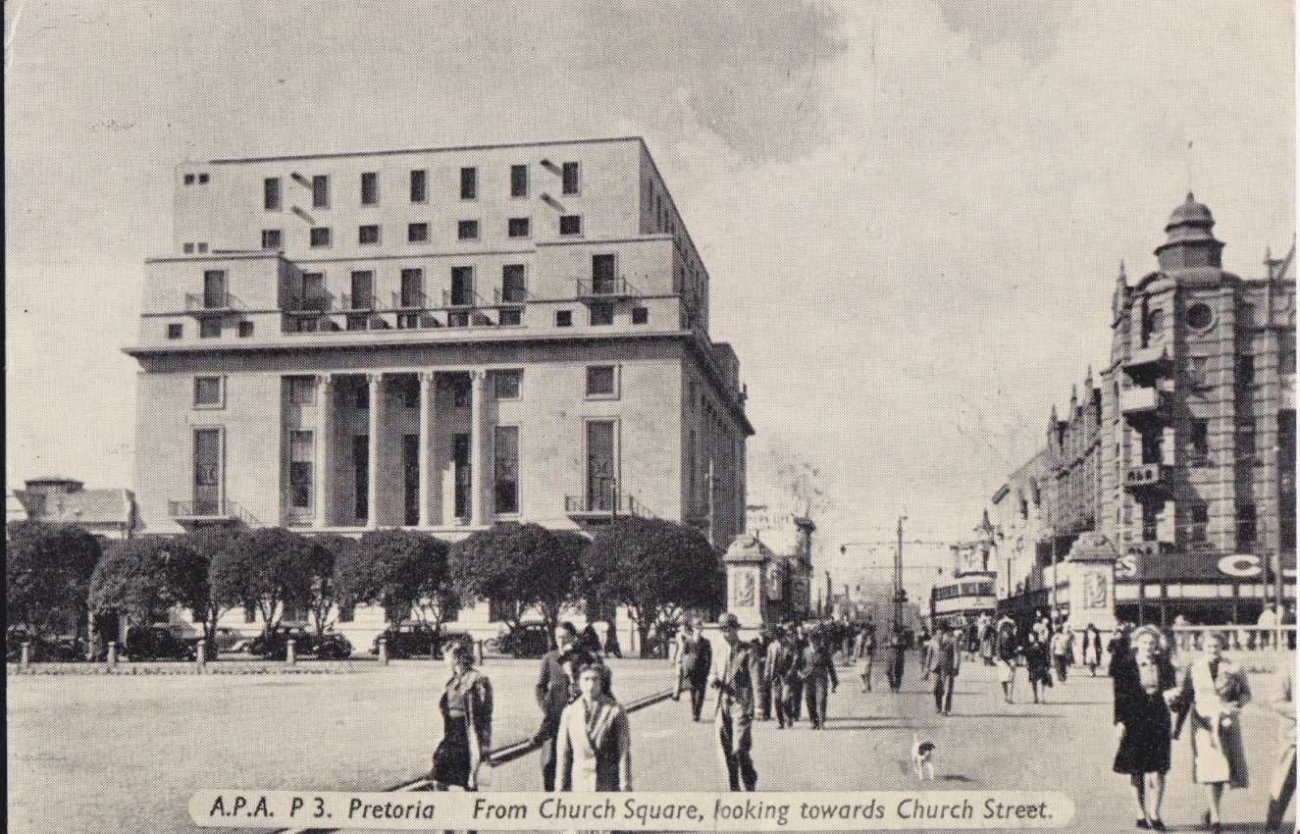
400,152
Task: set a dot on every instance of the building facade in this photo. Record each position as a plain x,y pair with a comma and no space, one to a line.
440,339
1179,466
789,578
108,513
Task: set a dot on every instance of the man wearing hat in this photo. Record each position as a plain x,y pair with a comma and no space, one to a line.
735,710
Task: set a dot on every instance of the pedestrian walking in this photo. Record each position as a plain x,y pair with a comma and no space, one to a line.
694,657
895,658
1092,648
925,638
1143,680
759,659
1118,645
556,687
1213,692
945,662
782,676
1061,648
595,740
466,707
818,673
1038,666
735,708
864,652
988,638
1007,649
1282,786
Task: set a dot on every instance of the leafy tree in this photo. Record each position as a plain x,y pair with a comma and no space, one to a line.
132,581
190,576
405,571
524,564
267,569
47,575
655,568
323,591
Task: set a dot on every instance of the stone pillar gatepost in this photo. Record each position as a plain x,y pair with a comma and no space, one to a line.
383,651
290,652
112,652
26,656
427,392
201,654
376,383
324,424
478,381
746,562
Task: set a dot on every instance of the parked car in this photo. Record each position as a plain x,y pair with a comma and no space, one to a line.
274,645
63,648
525,640
417,640
157,642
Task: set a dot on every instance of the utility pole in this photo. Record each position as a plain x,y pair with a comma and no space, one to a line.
898,576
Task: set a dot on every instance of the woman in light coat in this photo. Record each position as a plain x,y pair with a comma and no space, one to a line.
1214,689
595,740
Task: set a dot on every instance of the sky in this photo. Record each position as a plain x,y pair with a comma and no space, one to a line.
912,213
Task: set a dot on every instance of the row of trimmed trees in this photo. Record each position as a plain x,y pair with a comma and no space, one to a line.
57,574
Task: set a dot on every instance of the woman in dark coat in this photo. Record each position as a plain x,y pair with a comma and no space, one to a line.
1092,648
1038,665
466,707
1141,679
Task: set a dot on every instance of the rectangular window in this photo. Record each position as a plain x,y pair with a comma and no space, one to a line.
302,468
1152,451
408,390
604,275
302,390
370,189
505,384
202,247
1198,375
411,479
1286,351
245,329
271,194
1150,522
563,318
461,473
203,178
602,314
462,286
518,180
189,179
187,248
214,290
570,177
468,183
467,230
511,316
601,381
417,233
361,396
1246,528
1246,369
210,328
412,294
640,315
1200,442
358,323
361,474
514,284
314,296
1200,521
419,186
207,471
505,474
271,239
1246,440
207,392
320,191
368,234
363,290
175,331
571,224
602,466
518,227
320,236
347,613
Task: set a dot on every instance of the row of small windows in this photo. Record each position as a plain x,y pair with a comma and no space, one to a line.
369,234
601,383
209,328
273,200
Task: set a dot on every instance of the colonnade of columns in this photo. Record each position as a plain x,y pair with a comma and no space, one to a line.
325,418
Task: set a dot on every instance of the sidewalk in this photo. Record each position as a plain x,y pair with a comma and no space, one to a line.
1064,745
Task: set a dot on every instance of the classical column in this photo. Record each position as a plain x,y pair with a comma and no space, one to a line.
427,391
376,381
324,437
476,456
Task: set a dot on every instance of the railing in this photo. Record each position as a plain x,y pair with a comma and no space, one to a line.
1236,638
461,299
210,510
310,304
408,300
626,504
1144,476
617,287
200,301
517,296
358,302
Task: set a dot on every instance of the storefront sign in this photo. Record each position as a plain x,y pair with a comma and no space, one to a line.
1153,566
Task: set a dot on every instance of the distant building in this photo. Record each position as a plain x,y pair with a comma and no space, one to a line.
790,574
1177,468
104,512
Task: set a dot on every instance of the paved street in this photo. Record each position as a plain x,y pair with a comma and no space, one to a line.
368,730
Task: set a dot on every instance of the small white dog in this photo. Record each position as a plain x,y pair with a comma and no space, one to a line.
922,758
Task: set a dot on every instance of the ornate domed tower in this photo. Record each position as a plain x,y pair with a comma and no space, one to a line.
1191,242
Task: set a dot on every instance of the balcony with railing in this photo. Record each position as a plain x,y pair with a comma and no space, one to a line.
409,300
603,508
1143,407
452,299
1147,478
1146,365
194,514
507,296
210,303
605,289
358,302
309,305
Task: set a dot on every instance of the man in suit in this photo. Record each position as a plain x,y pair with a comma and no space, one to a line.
734,681
818,672
556,688
694,657
945,661
782,675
